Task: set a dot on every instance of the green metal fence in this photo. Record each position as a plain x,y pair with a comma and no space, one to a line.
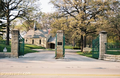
95,48
113,48
56,46
63,46
21,46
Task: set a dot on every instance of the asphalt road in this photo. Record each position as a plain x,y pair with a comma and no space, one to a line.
43,65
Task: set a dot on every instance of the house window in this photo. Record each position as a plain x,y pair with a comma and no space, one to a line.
39,41
32,41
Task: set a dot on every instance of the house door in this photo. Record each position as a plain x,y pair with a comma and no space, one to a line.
52,45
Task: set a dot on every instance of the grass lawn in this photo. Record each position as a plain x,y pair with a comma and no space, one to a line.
87,54
27,49
33,46
68,47
113,52
2,46
71,47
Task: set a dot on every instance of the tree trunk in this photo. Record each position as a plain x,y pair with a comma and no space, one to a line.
84,41
74,42
7,32
8,23
119,37
81,43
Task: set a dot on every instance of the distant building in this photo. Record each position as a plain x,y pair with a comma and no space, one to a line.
40,37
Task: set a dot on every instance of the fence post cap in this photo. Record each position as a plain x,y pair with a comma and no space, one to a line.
60,31
103,32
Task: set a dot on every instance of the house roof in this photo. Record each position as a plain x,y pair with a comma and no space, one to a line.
52,40
36,34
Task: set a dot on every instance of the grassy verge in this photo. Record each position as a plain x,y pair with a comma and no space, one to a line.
87,54
33,46
68,47
27,49
2,46
71,47
113,52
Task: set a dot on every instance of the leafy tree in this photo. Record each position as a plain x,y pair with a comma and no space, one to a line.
26,26
111,21
85,13
31,13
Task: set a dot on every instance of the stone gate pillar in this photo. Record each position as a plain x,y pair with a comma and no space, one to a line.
14,43
59,53
102,41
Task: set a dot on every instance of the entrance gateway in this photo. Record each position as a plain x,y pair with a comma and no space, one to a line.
98,46
59,45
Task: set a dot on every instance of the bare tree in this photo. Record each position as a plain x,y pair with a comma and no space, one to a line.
12,11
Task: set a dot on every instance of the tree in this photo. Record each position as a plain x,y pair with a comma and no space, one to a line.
32,14
85,13
114,18
26,26
110,22
2,15
10,6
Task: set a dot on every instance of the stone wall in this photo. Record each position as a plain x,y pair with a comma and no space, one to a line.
109,57
5,54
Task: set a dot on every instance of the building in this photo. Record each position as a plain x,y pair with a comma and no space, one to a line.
40,37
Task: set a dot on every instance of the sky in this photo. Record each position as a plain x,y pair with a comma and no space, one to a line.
46,6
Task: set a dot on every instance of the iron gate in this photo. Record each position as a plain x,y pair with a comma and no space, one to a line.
113,48
63,46
21,45
95,48
56,46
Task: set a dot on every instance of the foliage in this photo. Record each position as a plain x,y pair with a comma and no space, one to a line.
83,15
87,54
111,23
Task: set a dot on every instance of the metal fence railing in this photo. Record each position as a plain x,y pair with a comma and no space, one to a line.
95,48
113,48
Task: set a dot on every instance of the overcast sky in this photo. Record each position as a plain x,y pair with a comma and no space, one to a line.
46,6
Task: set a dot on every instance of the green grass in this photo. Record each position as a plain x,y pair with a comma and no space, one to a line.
2,46
68,47
113,52
33,46
27,49
87,54
71,47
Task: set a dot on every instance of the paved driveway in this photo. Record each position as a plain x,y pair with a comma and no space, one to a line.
42,64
